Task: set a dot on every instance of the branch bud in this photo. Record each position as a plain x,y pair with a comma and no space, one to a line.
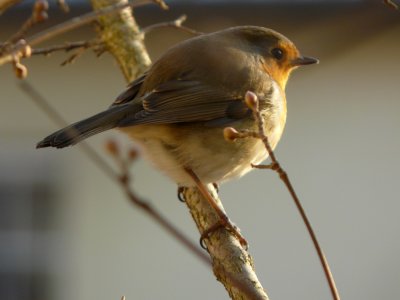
132,154
40,17
251,100
231,134
26,51
39,13
20,70
112,148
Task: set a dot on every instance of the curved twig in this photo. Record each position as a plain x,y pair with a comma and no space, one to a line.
177,24
122,179
232,134
68,26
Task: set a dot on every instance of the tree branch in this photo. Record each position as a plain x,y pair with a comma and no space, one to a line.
66,47
123,39
6,4
232,265
122,179
391,4
232,134
177,24
66,26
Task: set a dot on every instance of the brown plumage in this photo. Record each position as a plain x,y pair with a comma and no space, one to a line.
177,110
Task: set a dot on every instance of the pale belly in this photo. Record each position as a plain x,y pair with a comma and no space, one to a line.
204,150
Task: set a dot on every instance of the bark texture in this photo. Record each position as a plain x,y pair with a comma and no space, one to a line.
123,39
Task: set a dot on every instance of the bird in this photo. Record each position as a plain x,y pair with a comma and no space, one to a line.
177,110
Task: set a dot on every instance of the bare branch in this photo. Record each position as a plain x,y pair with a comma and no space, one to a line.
79,47
231,134
123,39
72,58
63,5
391,4
123,179
67,47
177,24
232,264
6,4
68,26
162,4
39,14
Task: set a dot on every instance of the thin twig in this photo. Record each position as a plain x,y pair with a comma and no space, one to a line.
177,24
122,179
38,15
6,4
63,5
391,4
125,179
230,134
72,58
66,47
44,105
162,4
81,20
80,47
70,25
233,266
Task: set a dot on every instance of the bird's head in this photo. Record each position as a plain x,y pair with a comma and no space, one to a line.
279,56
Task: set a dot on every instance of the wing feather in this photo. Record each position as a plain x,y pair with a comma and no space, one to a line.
179,101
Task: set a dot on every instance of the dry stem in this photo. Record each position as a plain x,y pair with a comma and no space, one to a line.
68,26
177,24
232,265
391,4
123,39
66,47
251,100
123,179
6,4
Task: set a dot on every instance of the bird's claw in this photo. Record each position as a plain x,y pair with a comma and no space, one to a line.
216,186
181,193
228,225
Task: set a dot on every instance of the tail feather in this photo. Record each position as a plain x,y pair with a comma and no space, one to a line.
81,130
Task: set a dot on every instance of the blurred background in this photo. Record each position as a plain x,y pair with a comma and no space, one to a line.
68,232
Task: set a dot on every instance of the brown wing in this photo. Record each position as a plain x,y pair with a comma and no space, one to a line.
131,91
179,101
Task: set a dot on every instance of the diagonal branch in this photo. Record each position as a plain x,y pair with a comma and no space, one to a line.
391,4
177,24
123,39
232,265
232,134
68,26
66,47
6,4
122,180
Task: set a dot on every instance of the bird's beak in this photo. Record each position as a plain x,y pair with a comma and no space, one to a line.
304,60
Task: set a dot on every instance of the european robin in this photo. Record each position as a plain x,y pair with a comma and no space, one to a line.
178,109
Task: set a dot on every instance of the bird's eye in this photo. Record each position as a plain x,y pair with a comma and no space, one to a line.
277,53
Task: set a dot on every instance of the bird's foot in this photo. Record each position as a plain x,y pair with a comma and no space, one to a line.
182,189
181,193
228,225
216,186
